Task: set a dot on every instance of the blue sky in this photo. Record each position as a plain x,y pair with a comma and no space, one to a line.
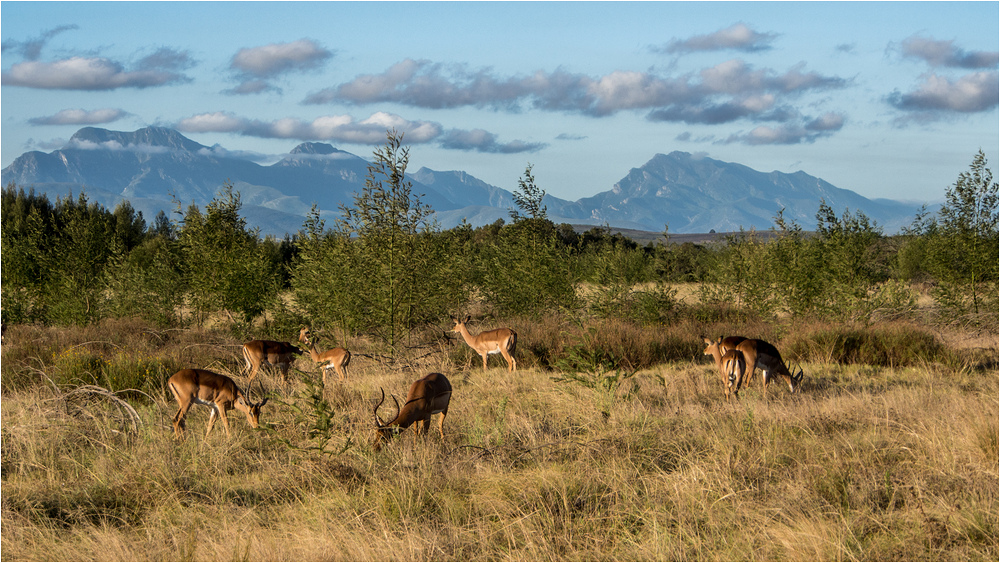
890,100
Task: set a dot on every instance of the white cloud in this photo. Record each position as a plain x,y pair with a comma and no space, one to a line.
946,54
86,73
342,128
737,37
480,140
80,117
277,58
971,93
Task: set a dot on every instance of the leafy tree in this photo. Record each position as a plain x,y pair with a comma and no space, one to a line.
854,268
384,269
963,243
525,269
224,264
528,197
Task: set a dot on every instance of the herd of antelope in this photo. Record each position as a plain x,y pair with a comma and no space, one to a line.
736,358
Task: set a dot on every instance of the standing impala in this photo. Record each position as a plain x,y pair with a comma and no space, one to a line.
760,354
336,359
428,395
269,352
217,392
730,362
499,341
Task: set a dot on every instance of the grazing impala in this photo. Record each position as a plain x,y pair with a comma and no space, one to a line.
499,341
730,362
428,395
217,392
280,354
760,354
336,359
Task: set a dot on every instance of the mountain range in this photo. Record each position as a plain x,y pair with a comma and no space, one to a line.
156,168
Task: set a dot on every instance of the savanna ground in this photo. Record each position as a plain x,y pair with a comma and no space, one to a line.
895,458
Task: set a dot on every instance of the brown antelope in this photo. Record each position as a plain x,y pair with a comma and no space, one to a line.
217,392
499,341
428,395
732,368
269,352
728,360
760,354
336,359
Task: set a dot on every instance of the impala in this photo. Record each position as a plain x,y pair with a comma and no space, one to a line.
760,354
336,359
217,392
428,395
730,362
499,341
733,366
280,354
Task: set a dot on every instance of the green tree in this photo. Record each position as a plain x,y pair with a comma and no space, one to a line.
528,197
524,269
963,244
385,269
224,264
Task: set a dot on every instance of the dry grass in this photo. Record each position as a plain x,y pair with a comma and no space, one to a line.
868,463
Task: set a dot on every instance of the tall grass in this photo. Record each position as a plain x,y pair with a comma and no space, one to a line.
873,461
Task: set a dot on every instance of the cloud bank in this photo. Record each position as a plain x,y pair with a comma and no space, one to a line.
344,128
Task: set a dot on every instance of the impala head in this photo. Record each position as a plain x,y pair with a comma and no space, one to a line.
712,346
304,335
796,380
252,410
385,431
460,323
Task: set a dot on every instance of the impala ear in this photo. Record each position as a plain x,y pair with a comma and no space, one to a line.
467,318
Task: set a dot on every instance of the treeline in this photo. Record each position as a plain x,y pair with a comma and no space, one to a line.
385,269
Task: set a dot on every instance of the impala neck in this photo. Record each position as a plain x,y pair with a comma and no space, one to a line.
313,352
469,339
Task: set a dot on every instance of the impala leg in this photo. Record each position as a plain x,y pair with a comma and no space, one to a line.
511,363
441,423
225,421
211,420
425,427
179,421
484,360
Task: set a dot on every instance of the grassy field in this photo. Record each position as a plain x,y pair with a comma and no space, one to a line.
892,461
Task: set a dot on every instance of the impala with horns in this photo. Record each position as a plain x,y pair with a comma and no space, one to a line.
336,359
217,392
499,341
269,352
760,354
428,395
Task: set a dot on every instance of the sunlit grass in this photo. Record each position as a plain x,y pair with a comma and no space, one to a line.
869,462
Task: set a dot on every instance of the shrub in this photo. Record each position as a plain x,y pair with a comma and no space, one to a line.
887,345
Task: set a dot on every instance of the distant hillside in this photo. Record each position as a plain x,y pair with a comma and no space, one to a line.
155,167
